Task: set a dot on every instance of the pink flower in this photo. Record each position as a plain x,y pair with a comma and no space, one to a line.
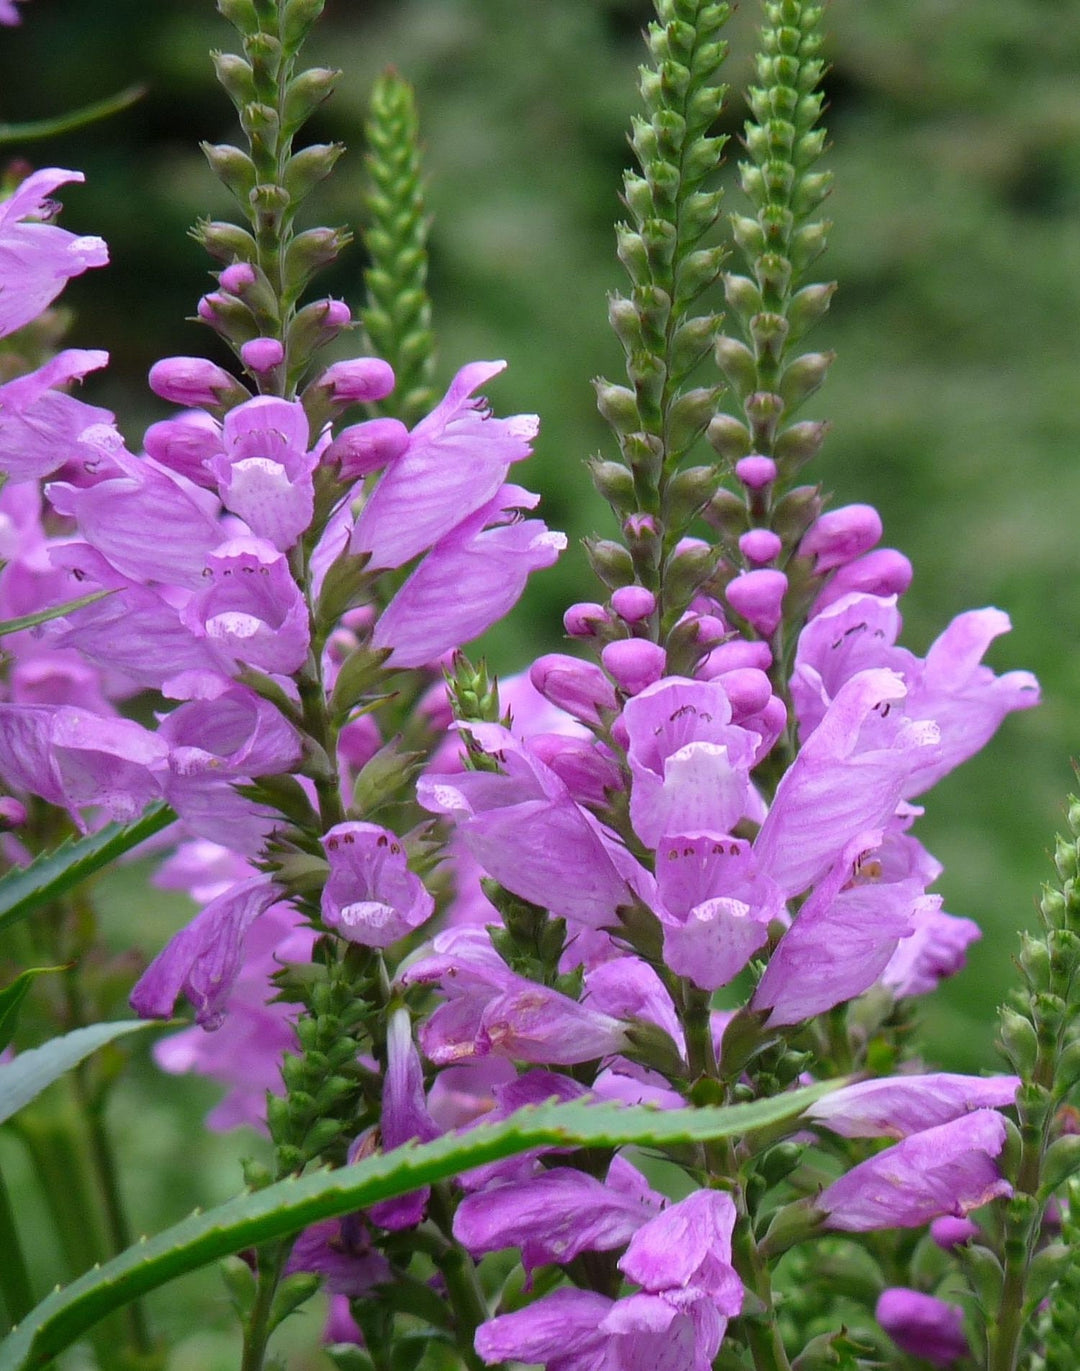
371,897
39,424
37,258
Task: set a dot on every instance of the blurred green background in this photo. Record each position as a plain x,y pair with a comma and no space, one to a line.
954,401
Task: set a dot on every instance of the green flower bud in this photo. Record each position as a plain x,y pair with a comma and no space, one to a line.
241,14
235,75
780,1161
809,147
795,513
1054,907
382,777
297,18
618,405
233,167
737,363
810,191
791,1225
305,169
264,53
305,93
1060,1161
772,269
764,410
1068,1070
1018,1040
691,341
649,1045
624,319
726,512
688,416
1072,816
610,561
323,1134
1065,859
808,243
749,235
638,197
769,334
240,1282
807,306
1035,961
227,242
984,1271
697,271
644,454
798,443
728,437
632,254
615,483
742,295
802,377
687,493
268,200
687,570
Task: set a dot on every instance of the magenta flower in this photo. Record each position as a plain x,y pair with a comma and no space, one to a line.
148,523
922,1325
562,1332
252,608
527,832
264,470
690,765
551,1217
841,939
371,896
948,1169
469,580
849,776
455,464
79,760
39,424
404,1117
204,959
37,258
897,1106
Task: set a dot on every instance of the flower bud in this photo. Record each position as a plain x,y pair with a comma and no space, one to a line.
233,167
728,437
12,813
195,381
633,603
634,663
841,535
807,306
235,75
580,688
584,619
756,472
922,1325
262,354
298,17
737,363
611,561
883,572
1019,1040
615,483
760,545
226,242
358,381
803,376
748,690
367,447
241,14
759,597
949,1232
687,493
308,253
237,277
618,405
726,513
795,513
306,168
305,93
798,443
742,295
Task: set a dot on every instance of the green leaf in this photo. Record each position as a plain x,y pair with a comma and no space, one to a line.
12,996
286,1207
27,1076
55,873
42,616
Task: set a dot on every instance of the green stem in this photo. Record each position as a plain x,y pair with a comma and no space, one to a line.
458,1271
14,1278
258,1325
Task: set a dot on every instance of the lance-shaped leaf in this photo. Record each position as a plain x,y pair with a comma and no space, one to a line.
55,873
292,1204
23,1079
42,616
11,998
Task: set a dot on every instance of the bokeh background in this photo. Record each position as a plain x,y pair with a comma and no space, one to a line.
954,401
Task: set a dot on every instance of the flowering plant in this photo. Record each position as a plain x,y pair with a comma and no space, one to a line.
578,1008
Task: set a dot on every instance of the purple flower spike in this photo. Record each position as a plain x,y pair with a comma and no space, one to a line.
371,896
40,425
944,1170
252,608
922,1325
204,959
898,1106
37,259
456,462
264,474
